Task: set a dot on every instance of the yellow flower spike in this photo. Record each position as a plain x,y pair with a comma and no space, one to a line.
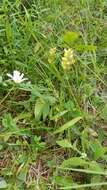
68,59
52,55
52,51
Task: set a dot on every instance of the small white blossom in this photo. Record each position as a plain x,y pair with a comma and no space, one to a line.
83,155
17,77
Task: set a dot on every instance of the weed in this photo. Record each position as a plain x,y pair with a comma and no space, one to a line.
53,125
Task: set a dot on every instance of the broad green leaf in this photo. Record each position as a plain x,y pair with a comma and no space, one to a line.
69,105
42,108
74,162
97,149
94,166
70,37
38,111
8,122
64,143
67,125
49,99
46,110
63,181
86,47
11,128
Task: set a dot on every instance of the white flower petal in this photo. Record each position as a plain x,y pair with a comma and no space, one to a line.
16,73
22,75
9,75
17,77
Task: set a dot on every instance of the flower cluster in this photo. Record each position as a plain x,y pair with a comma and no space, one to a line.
68,59
52,55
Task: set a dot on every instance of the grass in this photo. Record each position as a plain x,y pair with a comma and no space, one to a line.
53,126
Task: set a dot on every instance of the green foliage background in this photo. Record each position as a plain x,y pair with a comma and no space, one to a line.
53,129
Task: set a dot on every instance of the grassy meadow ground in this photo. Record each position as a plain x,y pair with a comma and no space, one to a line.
53,126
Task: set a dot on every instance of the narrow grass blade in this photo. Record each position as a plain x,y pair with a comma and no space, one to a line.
57,116
67,125
84,171
85,185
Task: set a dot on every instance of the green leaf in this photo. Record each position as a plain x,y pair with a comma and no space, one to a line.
86,47
22,116
42,108
1,146
96,179
69,105
94,166
97,149
74,161
87,171
39,108
11,128
22,175
60,114
67,125
46,110
63,181
7,136
9,32
103,113
64,143
85,185
8,122
70,37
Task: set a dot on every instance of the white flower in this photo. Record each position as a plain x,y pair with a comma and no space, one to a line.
83,155
17,77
